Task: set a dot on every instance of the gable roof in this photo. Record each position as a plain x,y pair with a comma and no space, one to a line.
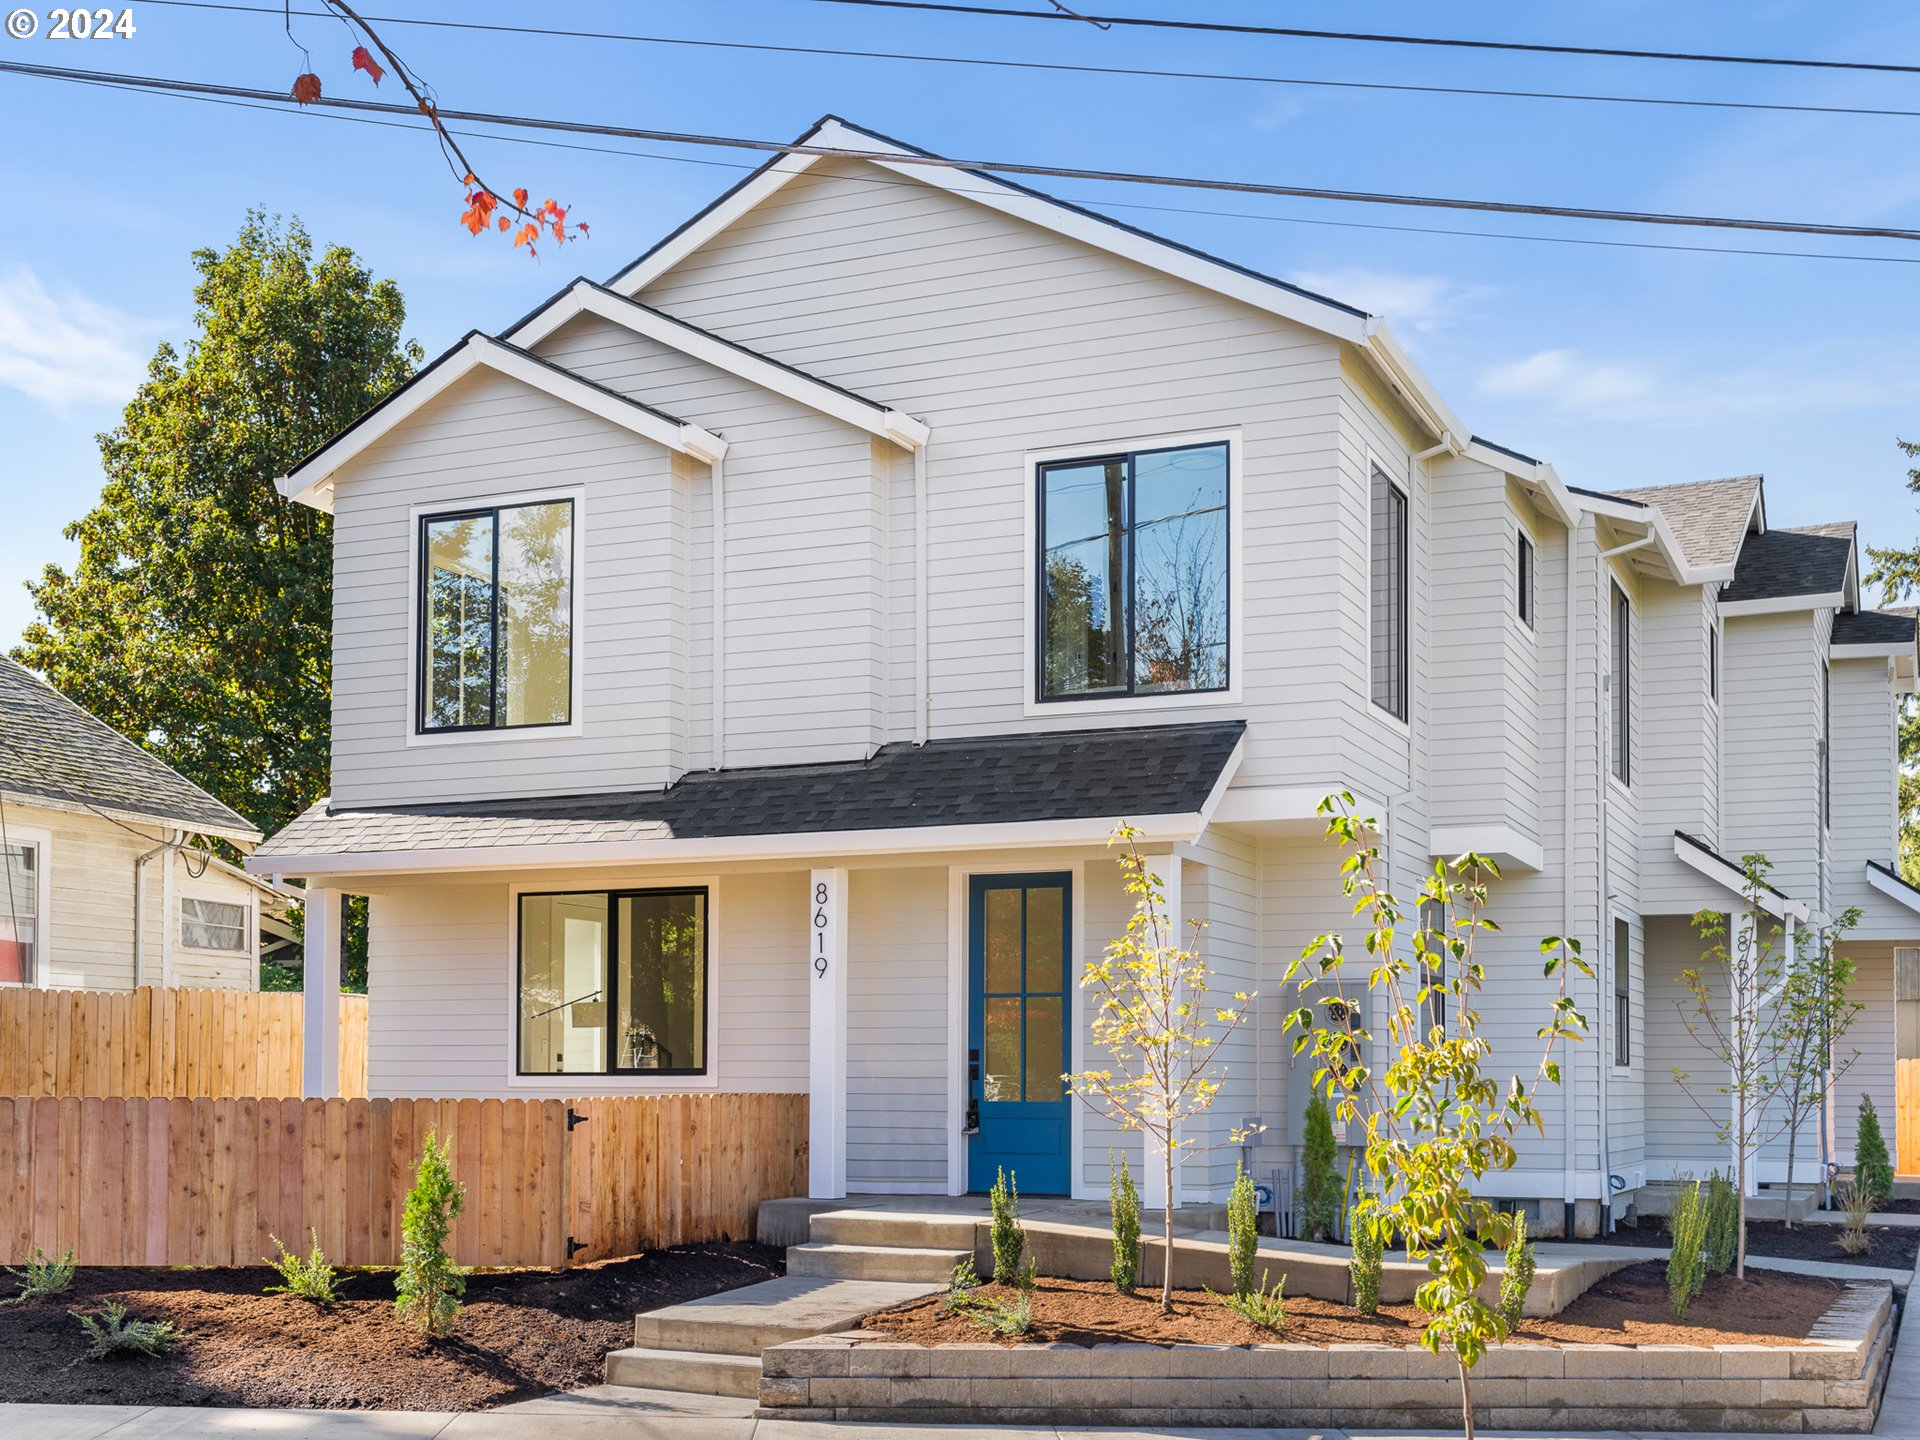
52,751
1710,518
1794,569
309,482
586,297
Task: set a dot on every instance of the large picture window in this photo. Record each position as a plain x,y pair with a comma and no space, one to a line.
496,617
1133,579
613,983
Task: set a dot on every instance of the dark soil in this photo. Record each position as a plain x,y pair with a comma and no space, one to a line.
522,1333
1892,1247
1629,1308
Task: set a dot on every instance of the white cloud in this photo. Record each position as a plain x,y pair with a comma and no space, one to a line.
1411,302
1566,380
66,350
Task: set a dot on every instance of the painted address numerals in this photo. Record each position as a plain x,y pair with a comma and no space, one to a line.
822,927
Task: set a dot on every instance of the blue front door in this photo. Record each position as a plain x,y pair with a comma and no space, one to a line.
1019,941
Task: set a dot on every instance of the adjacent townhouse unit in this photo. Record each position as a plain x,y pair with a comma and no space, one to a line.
741,666
106,882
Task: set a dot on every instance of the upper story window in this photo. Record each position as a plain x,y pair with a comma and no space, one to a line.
1388,609
1713,663
1621,684
1133,574
496,617
1523,579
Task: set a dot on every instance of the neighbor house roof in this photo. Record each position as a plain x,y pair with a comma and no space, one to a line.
1873,627
1136,773
53,752
1809,561
1710,518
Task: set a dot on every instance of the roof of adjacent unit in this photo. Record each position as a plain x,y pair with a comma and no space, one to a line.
997,779
52,750
1806,560
1708,517
1873,627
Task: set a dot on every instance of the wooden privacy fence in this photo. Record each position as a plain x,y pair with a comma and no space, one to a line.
1906,1104
172,1042
208,1181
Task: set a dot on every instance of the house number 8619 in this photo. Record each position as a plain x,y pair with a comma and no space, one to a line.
821,920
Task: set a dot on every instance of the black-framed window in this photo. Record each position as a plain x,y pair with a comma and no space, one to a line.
1389,618
613,982
1622,994
1621,682
1134,577
1713,662
1523,579
496,617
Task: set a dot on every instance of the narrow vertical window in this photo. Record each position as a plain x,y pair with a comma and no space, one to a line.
1713,662
1389,595
1523,578
1826,746
1622,994
1621,683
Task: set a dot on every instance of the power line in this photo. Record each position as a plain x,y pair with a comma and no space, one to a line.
1294,32
920,160
1059,67
1104,203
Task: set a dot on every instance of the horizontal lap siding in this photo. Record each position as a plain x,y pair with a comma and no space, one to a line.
1770,693
1680,1134
1872,1035
897,1017
1220,888
89,933
1865,778
1679,753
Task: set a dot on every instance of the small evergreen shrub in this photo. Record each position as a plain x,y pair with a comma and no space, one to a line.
114,1334
1369,1234
41,1278
1872,1167
1258,1305
429,1284
1124,1200
1516,1279
1243,1233
313,1278
1723,1223
1009,1240
1317,1212
1686,1266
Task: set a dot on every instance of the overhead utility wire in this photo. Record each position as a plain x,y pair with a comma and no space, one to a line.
1102,202
1449,42
913,159
1059,67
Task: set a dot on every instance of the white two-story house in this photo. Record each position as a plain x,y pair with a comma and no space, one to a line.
741,665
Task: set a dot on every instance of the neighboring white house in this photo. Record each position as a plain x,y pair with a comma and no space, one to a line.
102,883
739,668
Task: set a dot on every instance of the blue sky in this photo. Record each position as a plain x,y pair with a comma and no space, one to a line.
1624,367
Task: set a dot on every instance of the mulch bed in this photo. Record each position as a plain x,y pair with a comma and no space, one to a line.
1894,1247
522,1334
1628,1308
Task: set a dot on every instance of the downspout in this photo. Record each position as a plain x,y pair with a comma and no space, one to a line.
922,698
1566,879
139,912
719,469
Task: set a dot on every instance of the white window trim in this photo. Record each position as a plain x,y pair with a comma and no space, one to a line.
1716,660
1615,586
248,904
42,841
1031,462
599,1083
522,733
1401,726
1531,627
1615,918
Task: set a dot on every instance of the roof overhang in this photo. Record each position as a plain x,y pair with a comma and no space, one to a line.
1653,528
1293,809
1883,879
1786,604
1729,876
311,481
584,297
1502,844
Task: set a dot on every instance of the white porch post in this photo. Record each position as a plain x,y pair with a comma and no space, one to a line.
320,984
827,1035
1741,979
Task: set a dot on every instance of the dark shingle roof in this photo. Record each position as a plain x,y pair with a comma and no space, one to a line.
1807,560
1873,627
51,749
996,779
1708,517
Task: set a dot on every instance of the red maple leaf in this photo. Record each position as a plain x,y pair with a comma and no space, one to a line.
363,61
306,88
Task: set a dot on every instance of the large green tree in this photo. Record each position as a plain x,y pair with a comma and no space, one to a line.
1897,572
198,617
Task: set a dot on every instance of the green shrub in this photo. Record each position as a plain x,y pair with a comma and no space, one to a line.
1723,1223
1686,1266
963,1278
996,1317
1258,1305
1243,1233
1369,1234
313,1278
1009,1240
429,1284
40,1277
1872,1167
1516,1279
1317,1211
112,1333
1124,1200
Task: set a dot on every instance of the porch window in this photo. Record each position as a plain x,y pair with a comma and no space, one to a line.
496,617
1133,574
213,925
613,983
19,913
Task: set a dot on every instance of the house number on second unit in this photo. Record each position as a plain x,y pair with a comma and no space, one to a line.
822,927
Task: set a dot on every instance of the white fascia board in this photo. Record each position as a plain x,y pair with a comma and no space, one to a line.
1870,652
584,297
309,483
1292,806
1218,793
1729,877
807,846
1784,604
1538,476
712,221
1893,889
1383,349
1503,844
